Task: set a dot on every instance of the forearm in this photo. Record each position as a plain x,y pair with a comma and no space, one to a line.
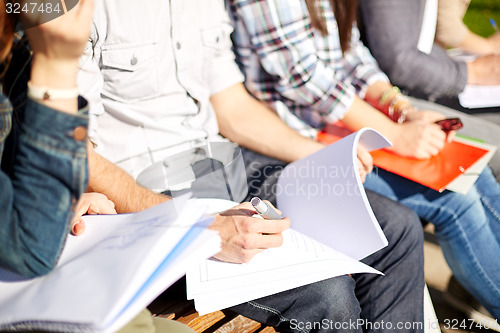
55,75
484,70
361,114
376,91
249,123
112,181
434,74
477,44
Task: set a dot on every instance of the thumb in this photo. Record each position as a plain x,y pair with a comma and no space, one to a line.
77,226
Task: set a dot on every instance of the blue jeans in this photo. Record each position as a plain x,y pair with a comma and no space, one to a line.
363,302
467,228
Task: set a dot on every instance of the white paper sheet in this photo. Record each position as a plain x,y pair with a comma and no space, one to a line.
325,188
343,221
110,273
300,260
475,96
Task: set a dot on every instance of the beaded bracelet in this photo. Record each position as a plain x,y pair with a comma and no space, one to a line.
45,93
397,99
391,110
387,93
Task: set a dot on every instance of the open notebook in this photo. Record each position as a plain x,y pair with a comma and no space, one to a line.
333,227
113,271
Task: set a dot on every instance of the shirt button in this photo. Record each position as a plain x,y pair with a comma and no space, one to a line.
178,45
133,61
80,133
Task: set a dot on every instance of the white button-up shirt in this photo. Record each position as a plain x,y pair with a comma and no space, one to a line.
150,73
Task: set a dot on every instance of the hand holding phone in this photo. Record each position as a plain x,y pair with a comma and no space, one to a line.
450,124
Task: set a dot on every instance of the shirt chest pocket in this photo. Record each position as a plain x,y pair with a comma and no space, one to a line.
215,39
130,72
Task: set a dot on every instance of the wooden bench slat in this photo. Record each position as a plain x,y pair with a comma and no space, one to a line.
224,321
202,323
187,318
239,324
166,316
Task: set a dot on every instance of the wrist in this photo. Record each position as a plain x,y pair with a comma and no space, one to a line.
55,74
395,105
388,96
46,93
471,72
395,132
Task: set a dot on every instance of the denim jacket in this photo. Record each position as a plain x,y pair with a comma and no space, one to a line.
44,171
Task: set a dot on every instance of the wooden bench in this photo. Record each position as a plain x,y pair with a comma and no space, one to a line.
224,321
227,321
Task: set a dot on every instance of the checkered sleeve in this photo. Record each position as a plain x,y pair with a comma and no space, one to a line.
281,34
362,66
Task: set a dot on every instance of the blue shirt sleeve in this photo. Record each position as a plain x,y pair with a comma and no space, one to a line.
41,180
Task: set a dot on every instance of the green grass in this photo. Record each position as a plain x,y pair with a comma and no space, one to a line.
478,14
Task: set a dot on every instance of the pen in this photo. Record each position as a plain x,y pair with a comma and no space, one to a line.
264,209
493,24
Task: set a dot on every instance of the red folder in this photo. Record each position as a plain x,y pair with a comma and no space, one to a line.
436,172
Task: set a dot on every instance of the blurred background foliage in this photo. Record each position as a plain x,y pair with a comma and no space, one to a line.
478,15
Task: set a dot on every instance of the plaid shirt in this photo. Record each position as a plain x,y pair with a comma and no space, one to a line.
300,73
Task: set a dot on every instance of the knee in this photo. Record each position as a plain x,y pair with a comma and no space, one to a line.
403,227
335,299
459,207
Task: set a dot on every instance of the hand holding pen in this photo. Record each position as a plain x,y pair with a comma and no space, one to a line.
243,236
265,210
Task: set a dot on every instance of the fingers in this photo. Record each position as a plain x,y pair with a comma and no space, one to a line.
90,203
260,226
424,116
243,236
362,171
244,209
85,9
450,136
59,35
262,242
432,116
365,159
237,257
437,137
420,140
365,163
95,203
78,226
40,12
104,206
431,145
82,207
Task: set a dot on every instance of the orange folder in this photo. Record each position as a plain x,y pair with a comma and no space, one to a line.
436,172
